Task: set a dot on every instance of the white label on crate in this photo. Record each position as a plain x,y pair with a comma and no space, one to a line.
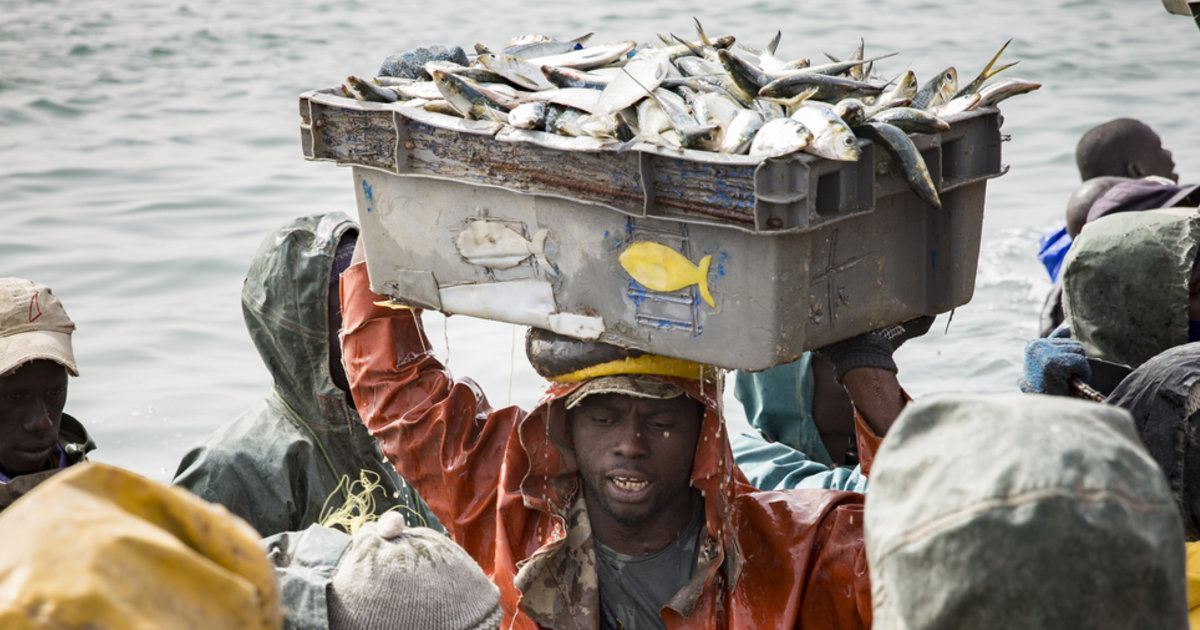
494,244
528,302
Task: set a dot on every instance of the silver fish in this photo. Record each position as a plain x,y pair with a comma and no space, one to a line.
572,78
587,58
964,103
469,100
901,148
911,120
986,73
364,90
427,90
780,137
829,87
741,131
585,99
692,132
544,47
996,92
520,72
528,115
641,76
832,137
937,90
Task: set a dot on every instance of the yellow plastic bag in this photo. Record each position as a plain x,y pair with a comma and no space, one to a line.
101,547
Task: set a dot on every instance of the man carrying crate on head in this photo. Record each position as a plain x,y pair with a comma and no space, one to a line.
615,502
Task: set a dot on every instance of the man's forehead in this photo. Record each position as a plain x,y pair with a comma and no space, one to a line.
613,400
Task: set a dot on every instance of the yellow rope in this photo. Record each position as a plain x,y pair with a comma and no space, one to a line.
359,508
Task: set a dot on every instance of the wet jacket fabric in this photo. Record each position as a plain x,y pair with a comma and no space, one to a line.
1193,585
1125,283
1163,395
787,452
276,464
1047,514
779,403
775,466
74,443
504,485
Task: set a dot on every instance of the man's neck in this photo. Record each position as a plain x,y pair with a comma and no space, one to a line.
643,539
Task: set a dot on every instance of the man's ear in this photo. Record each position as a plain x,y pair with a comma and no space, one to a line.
1135,170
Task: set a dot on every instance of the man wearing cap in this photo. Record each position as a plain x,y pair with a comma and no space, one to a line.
37,439
616,502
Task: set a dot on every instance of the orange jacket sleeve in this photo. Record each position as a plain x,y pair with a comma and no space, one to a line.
439,433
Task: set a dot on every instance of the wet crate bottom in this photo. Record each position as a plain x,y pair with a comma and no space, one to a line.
557,263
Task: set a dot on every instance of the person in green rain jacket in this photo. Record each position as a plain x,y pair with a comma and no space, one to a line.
302,452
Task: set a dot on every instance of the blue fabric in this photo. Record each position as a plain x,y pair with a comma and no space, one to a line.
1050,364
1052,249
774,466
63,462
778,402
1193,329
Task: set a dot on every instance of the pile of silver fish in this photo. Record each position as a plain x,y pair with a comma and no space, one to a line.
701,95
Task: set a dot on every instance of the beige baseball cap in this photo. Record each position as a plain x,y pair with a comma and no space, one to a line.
636,385
33,325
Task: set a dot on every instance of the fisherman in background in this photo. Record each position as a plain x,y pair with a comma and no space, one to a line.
302,453
1112,153
37,440
619,483
1163,395
956,540
1131,289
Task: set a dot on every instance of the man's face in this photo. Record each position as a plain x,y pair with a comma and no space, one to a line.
635,457
31,403
1157,160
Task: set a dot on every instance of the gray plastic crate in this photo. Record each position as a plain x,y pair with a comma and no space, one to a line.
803,251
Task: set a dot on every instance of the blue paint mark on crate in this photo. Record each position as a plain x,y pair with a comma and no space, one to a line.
368,193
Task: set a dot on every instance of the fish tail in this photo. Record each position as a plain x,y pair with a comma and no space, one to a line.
538,249
703,281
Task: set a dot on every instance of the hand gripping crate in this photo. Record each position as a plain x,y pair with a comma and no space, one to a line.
723,259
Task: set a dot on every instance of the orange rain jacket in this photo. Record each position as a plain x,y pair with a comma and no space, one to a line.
505,486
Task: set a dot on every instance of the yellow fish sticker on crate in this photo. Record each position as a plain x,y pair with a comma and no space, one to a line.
660,268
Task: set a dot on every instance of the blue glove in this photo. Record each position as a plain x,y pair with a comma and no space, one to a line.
875,348
1050,363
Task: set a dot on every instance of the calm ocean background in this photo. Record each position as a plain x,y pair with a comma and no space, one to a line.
146,148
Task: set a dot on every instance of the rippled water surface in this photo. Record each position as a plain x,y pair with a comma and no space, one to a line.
147,147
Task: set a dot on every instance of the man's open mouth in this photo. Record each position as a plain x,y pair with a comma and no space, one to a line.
629,483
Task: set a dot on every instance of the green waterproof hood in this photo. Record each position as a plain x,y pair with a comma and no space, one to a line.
1125,283
284,304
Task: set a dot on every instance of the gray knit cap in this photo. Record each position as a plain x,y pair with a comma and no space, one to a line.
409,578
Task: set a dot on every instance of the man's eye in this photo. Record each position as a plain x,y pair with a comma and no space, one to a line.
57,392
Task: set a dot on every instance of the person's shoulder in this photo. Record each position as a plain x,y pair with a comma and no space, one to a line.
1085,196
